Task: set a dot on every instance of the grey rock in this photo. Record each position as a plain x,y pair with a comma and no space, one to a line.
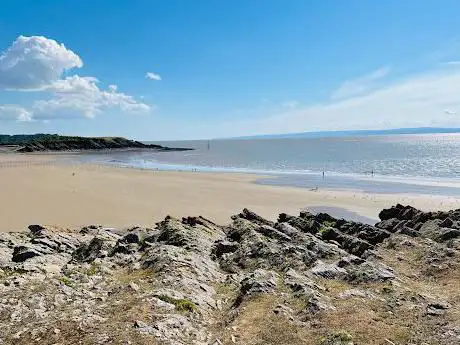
329,271
221,247
89,252
437,308
253,217
370,272
446,223
273,233
36,229
388,224
405,230
300,284
22,253
259,282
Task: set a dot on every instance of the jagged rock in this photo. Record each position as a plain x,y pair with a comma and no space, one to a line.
302,223
89,252
329,271
130,237
187,277
446,234
399,211
389,213
221,247
324,217
253,217
284,310
446,223
316,304
36,229
287,229
431,229
372,234
388,224
124,248
437,308
348,260
273,233
300,284
22,253
350,243
260,281
370,272
143,327
405,230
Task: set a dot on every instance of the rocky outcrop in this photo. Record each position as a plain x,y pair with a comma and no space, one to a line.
54,142
439,226
191,281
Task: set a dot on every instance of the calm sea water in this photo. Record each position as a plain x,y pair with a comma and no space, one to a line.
422,160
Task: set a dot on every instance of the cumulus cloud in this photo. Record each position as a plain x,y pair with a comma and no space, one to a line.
152,76
38,64
360,85
14,113
81,95
35,62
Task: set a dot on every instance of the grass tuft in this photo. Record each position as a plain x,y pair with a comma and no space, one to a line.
180,304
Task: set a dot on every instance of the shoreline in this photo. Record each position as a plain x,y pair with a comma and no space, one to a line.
309,176
46,190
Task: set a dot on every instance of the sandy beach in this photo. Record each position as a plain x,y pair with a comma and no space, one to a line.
37,190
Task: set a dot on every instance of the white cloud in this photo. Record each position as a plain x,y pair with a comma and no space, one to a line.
417,101
15,113
81,95
360,85
35,62
152,76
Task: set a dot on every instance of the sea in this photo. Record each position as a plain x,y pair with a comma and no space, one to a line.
414,163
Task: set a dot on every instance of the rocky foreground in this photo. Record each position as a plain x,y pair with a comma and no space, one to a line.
307,279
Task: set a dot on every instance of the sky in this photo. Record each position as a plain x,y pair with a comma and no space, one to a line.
181,69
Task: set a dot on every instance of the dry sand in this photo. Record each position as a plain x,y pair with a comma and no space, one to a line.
36,191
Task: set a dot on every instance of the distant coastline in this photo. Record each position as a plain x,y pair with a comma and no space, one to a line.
349,133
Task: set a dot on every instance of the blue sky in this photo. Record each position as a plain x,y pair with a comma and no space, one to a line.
227,68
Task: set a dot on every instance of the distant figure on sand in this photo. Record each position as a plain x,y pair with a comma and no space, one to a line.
323,173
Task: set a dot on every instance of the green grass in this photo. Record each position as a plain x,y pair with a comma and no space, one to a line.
92,270
180,304
66,281
339,338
